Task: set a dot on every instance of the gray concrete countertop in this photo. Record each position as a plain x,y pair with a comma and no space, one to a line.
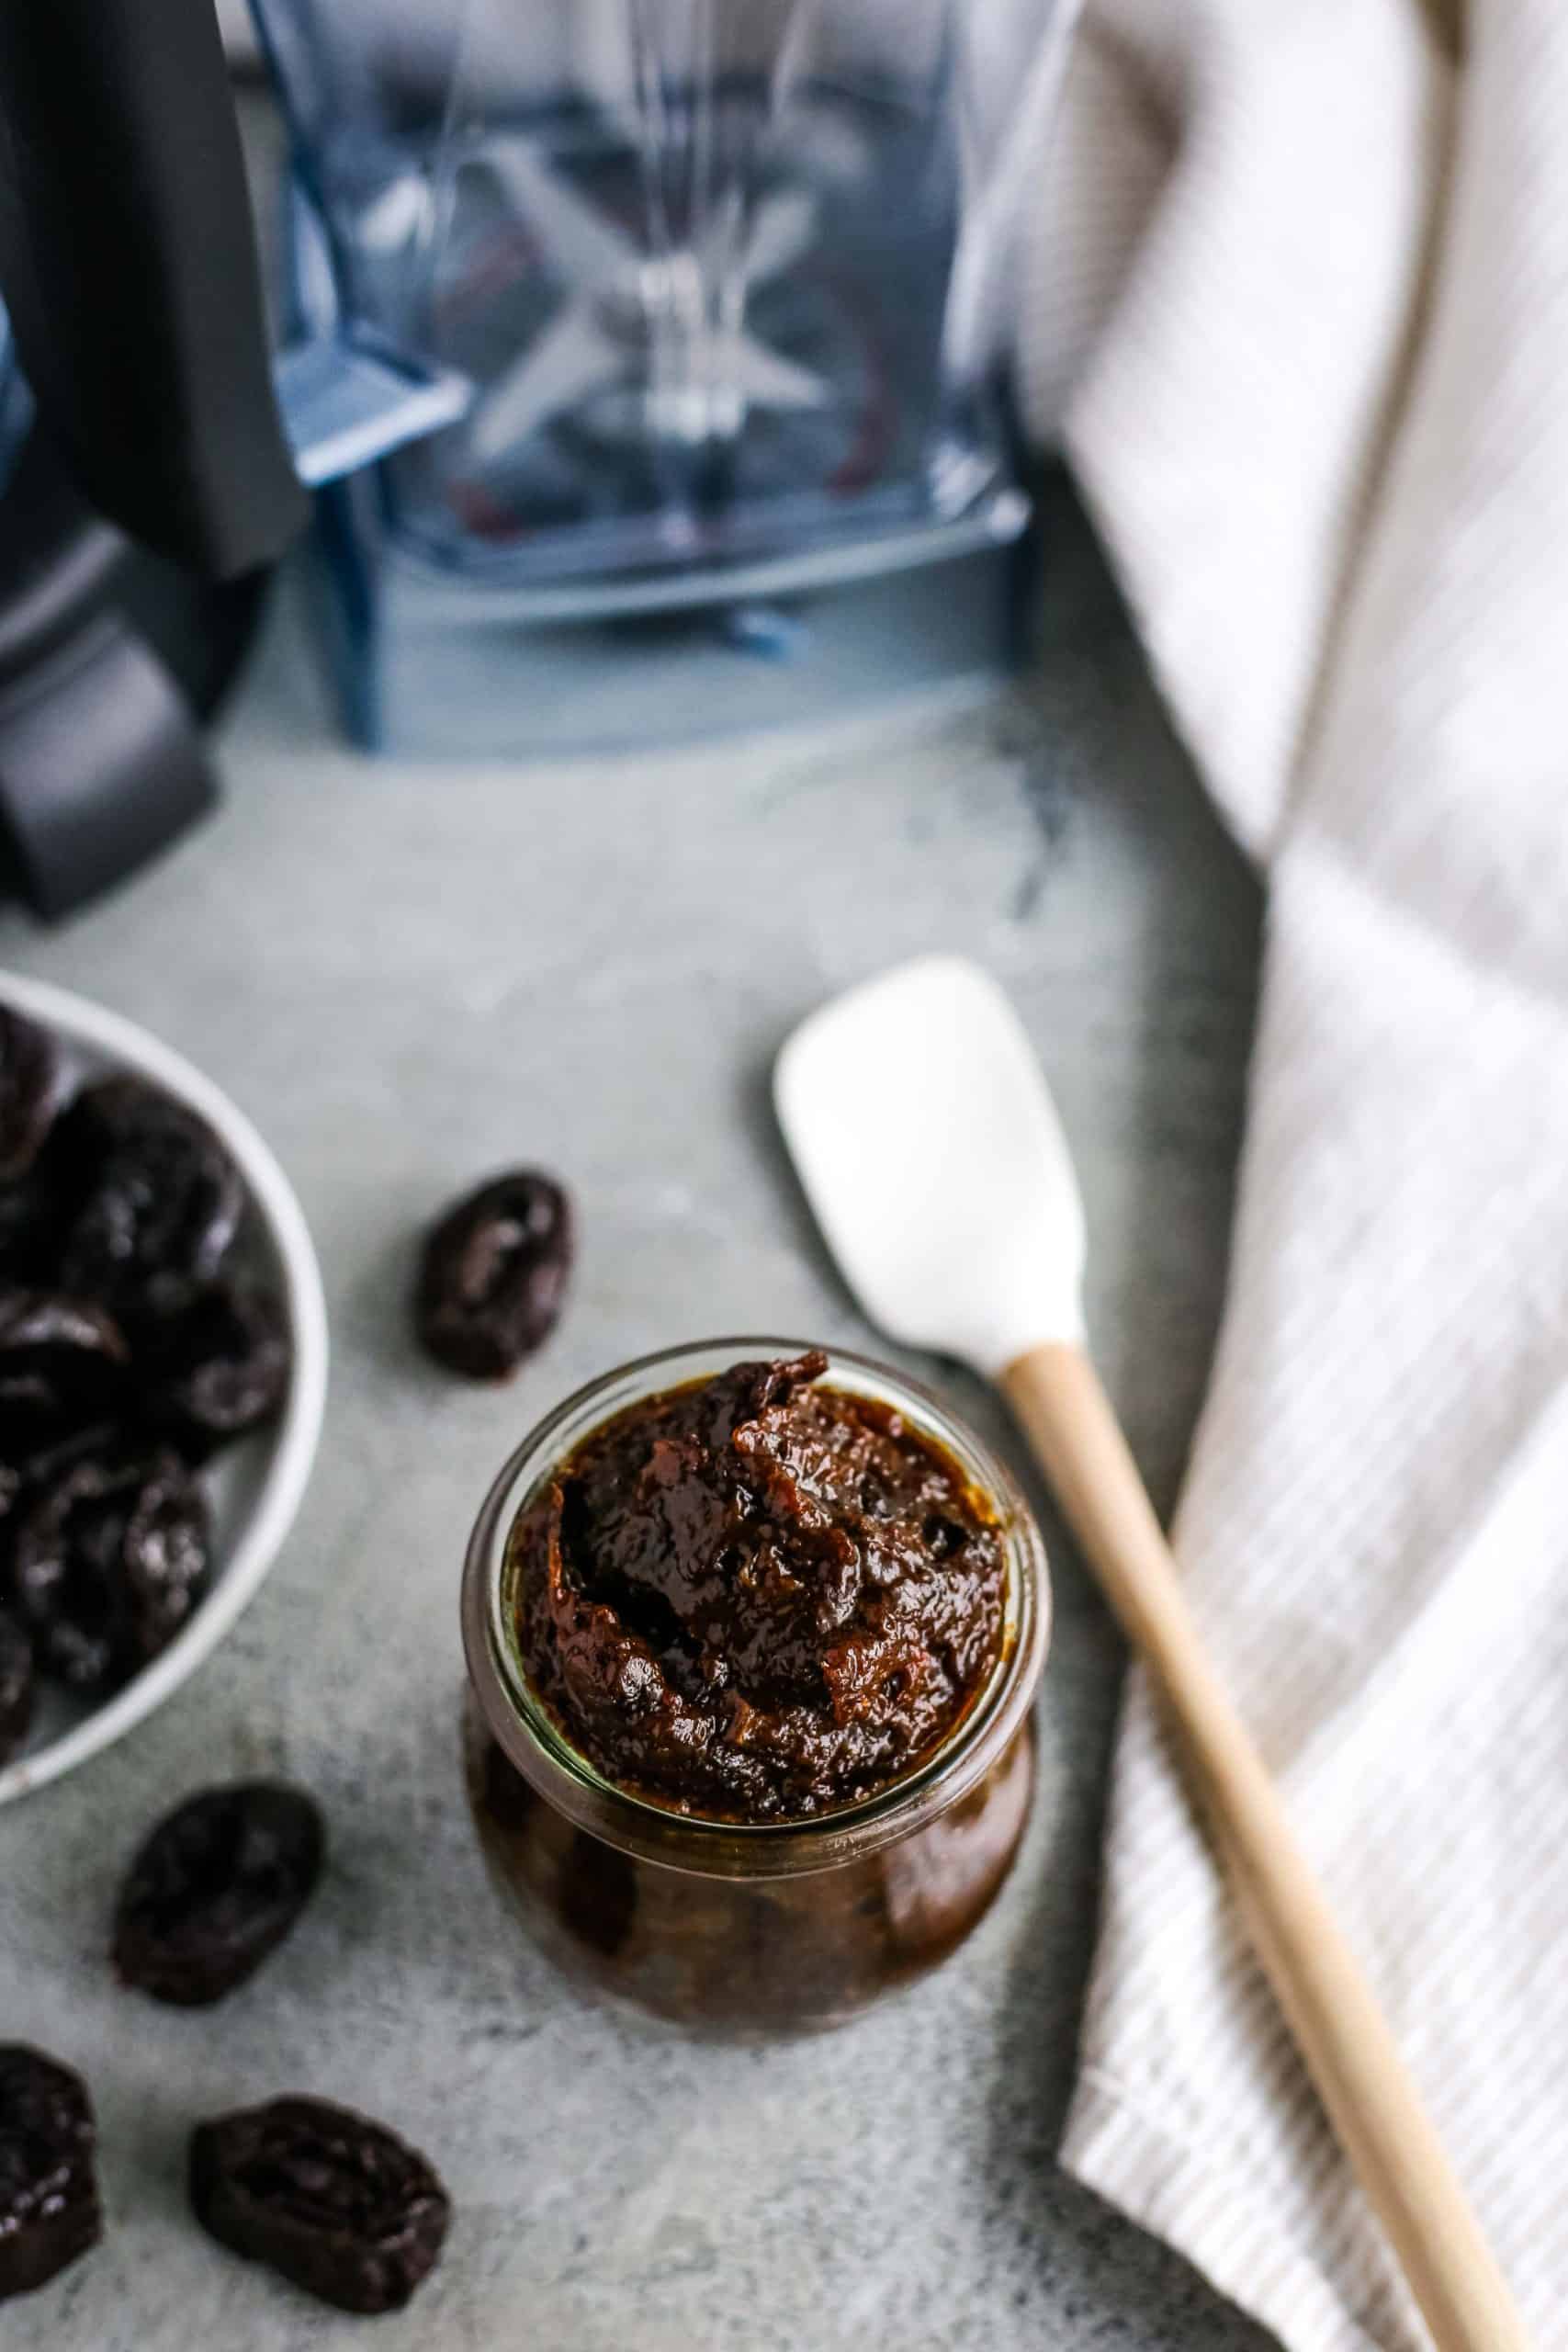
408,977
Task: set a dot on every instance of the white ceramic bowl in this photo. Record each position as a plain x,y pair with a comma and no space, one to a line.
254,1487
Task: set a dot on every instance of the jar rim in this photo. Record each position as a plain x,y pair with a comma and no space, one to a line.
540,1749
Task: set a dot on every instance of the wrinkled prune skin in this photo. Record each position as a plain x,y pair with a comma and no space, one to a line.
109,1560
151,1198
335,2202
28,1231
15,1686
29,1089
61,1364
25,1467
48,2195
211,1364
215,1888
494,1273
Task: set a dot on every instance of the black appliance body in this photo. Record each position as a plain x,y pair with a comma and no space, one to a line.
156,486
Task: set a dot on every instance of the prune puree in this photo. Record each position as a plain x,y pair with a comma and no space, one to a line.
758,1597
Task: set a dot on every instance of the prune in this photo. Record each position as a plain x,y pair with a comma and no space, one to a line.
109,1560
29,1229
216,1887
15,1685
493,1275
29,1464
151,1198
335,2202
48,2195
213,1363
30,1086
62,1363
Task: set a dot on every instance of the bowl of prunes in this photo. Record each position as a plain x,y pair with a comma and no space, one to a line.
163,1371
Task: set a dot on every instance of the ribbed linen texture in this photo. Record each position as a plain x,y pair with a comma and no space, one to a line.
1291,287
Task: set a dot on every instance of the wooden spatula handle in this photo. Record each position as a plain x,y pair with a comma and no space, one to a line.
1341,2032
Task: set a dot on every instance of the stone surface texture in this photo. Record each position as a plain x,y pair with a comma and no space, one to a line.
409,976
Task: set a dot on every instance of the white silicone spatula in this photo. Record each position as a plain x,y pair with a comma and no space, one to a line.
919,1121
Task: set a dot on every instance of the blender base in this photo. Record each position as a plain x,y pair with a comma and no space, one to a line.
426,667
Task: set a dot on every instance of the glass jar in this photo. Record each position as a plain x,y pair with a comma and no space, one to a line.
737,1929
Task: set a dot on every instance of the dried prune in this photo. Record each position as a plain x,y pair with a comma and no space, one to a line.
49,2194
28,1230
211,1364
108,1559
29,1464
29,1087
61,1364
494,1273
216,1887
15,1686
338,2204
151,1198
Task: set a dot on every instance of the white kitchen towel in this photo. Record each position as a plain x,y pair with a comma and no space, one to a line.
1295,283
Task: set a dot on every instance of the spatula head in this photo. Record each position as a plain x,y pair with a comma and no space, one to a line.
921,1127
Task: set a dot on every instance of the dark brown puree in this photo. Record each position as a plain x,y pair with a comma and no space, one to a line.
758,1597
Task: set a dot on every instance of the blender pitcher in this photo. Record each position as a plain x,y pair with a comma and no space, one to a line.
718,278
622,335
695,259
